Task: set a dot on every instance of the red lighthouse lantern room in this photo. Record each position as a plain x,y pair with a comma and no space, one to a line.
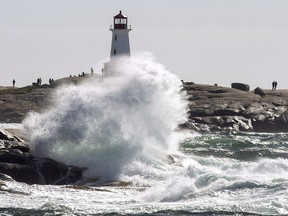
120,21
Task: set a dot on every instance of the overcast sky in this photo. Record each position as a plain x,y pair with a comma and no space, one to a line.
204,41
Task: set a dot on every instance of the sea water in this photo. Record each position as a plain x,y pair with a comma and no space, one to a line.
124,130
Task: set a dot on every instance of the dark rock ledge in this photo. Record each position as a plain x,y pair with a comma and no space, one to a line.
17,162
216,108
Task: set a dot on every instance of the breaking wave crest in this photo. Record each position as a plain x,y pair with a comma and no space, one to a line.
106,124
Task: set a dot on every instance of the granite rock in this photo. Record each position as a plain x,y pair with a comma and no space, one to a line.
216,108
17,162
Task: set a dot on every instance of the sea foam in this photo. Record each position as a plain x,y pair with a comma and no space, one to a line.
106,124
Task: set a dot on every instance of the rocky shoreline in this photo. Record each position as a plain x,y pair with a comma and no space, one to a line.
210,109
18,163
16,103
216,108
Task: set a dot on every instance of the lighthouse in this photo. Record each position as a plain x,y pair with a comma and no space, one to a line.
120,36
120,45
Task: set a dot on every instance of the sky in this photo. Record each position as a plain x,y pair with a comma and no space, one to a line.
201,41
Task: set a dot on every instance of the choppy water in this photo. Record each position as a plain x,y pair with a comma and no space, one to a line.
209,176
123,129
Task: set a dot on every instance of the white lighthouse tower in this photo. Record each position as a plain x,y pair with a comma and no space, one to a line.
120,45
120,36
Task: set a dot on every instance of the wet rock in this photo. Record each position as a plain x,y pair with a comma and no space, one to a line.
11,141
56,173
5,177
4,135
14,156
32,170
20,172
22,146
17,162
282,121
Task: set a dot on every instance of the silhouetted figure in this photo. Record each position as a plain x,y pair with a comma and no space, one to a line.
39,81
51,81
83,74
13,83
274,85
92,71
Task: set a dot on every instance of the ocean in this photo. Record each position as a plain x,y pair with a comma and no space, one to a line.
213,174
124,131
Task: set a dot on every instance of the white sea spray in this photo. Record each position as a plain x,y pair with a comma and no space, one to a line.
122,128
107,124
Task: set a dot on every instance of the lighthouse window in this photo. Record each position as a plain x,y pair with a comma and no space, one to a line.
120,21
115,37
114,51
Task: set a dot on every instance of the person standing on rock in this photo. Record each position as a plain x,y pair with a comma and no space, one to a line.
275,85
13,82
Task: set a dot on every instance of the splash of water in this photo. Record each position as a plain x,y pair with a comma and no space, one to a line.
107,124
